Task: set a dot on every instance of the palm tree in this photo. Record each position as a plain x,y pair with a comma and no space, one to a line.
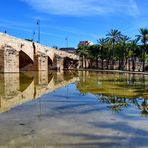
102,43
94,54
143,37
83,52
124,40
132,52
114,36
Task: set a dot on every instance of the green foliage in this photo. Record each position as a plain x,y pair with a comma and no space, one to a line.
118,47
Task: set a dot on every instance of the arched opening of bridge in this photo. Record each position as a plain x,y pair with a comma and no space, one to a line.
70,63
49,63
25,62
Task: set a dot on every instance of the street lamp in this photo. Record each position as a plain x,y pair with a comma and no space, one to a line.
67,50
5,32
38,24
33,36
66,41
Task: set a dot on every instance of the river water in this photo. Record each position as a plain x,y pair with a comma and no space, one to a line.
73,109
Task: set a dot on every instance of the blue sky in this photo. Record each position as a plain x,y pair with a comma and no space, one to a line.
73,19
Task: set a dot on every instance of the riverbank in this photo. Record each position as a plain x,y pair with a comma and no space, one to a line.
115,71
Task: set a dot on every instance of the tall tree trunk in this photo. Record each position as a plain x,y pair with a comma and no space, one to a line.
125,64
120,65
81,61
96,63
143,63
129,65
85,60
107,64
113,62
133,64
102,64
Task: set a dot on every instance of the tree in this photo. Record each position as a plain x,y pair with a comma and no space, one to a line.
102,43
143,37
132,52
94,53
83,52
124,40
114,36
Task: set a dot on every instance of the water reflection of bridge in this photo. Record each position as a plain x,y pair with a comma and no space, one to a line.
17,88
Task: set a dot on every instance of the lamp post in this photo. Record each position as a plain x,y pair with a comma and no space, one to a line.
33,36
66,41
68,66
38,24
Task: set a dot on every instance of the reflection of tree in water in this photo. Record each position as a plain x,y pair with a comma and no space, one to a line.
121,85
117,104
144,108
118,90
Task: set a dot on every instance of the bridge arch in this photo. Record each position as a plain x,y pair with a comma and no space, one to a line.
70,63
50,63
24,60
27,48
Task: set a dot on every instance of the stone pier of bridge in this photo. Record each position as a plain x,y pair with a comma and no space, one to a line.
20,55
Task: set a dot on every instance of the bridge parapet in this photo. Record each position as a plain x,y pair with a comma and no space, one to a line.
65,54
17,44
44,49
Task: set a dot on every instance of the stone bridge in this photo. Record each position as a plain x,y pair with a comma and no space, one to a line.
22,55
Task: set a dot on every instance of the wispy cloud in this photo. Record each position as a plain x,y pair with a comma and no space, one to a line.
135,28
85,7
69,30
25,27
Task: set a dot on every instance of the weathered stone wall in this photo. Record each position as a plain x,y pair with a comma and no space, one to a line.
42,62
12,85
10,59
1,60
43,78
17,44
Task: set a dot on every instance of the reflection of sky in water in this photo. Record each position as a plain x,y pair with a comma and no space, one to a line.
68,117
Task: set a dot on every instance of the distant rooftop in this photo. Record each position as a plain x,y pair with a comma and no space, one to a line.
85,43
68,49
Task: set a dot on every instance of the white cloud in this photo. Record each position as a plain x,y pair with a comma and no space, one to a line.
85,7
133,8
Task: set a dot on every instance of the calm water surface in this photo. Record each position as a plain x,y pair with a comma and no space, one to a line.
73,110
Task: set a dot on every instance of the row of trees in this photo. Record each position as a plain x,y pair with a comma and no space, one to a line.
116,47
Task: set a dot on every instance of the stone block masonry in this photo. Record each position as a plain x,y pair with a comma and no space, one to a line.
9,59
1,60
